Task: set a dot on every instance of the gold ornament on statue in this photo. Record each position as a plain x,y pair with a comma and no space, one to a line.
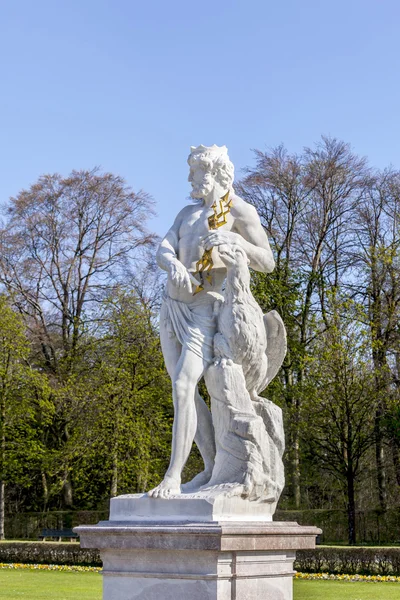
215,221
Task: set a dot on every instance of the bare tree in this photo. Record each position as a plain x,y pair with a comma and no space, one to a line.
378,288
305,202
65,241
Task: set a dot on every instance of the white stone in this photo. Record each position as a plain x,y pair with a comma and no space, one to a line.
220,333
199,576
202,507
214,561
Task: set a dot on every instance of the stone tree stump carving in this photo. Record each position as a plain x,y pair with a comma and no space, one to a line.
249,348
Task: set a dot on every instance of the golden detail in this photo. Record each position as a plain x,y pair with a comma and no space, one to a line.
218,219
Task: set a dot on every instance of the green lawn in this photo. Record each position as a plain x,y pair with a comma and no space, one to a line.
342,590
49,585
53,585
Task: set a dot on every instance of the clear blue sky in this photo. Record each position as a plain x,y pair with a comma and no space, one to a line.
129,85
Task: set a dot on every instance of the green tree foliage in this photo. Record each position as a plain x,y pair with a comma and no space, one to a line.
123,437
25,407
340,403
67,240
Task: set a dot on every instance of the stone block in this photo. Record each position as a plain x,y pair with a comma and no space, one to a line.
219,560
200,507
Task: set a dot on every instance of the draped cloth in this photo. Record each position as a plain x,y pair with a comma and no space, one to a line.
194,325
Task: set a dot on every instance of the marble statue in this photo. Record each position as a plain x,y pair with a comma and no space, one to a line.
212,326
212,538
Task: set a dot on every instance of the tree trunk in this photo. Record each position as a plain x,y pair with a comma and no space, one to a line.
294,439
396,460
2,509
2,461
67,492
380,461
45,492
296,468
351,508
114,477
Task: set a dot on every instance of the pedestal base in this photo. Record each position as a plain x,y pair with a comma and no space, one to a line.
199,507
197,561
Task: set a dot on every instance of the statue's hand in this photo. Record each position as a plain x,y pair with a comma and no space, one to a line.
179,275
217,238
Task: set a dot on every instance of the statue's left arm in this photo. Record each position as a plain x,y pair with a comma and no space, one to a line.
250,235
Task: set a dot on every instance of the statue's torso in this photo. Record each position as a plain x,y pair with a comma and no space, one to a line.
193,230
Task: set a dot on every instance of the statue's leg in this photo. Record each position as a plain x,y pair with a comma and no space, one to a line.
188,371
205,441
204,436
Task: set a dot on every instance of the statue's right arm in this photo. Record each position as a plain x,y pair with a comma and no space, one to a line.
167,257
167,252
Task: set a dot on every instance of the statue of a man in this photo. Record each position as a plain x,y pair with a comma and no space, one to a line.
196,274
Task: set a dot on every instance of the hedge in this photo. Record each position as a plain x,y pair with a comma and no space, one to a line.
362,561
47,553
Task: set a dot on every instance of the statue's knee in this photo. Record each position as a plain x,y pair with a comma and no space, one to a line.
184,391
181,389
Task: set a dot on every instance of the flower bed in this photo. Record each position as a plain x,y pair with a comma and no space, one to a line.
298,575
33,567
347,577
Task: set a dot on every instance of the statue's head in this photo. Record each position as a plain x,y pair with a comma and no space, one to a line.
210,170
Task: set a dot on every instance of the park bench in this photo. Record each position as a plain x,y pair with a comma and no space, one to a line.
59,534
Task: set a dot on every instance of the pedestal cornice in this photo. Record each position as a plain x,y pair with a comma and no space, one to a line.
219,536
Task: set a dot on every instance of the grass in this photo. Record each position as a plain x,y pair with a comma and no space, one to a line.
49,585
340,590
55,585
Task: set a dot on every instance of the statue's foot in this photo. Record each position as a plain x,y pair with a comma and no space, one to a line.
197,482
168,487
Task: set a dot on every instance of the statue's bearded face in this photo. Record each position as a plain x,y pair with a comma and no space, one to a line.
202,179
211,172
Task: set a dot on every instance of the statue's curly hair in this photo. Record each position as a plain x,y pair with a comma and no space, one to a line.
218,160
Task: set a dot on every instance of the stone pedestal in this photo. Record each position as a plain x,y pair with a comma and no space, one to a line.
193,559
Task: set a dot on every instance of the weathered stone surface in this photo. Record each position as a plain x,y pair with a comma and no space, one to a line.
211,325
214,561
222,535
204,506
249,440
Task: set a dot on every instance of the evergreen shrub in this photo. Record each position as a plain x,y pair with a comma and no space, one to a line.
47,553
361,561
